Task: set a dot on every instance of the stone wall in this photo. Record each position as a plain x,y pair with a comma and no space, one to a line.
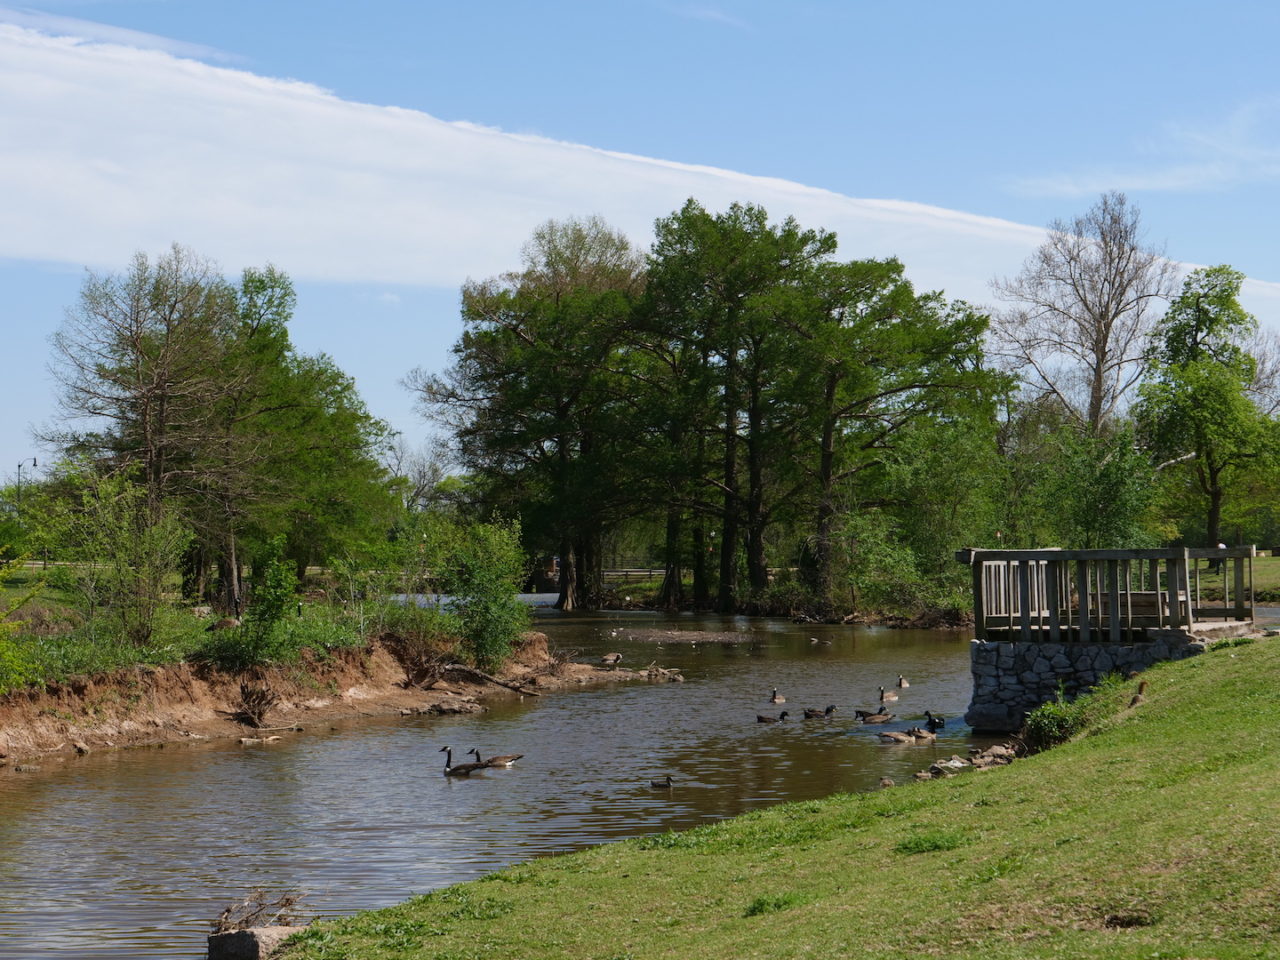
1010,679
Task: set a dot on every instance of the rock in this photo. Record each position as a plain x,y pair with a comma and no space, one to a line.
256,943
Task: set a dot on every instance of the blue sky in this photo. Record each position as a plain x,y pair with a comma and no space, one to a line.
382,153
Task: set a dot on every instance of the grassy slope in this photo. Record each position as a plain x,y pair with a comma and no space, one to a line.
1157,835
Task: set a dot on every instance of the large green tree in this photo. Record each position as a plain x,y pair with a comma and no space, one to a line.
1196,411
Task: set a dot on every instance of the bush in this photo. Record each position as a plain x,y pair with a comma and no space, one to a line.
1061,719
486,568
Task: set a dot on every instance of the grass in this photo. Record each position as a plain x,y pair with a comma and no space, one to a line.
1155,832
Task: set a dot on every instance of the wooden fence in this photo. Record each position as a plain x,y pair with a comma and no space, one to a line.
1098,595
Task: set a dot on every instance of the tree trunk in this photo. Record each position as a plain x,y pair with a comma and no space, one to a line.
757,567
821,576
672,592
590,572
568,599
726,599
701,588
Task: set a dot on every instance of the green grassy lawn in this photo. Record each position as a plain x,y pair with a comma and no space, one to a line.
1154,834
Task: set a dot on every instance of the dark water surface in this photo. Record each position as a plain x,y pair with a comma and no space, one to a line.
132,854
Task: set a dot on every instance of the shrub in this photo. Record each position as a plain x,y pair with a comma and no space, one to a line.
1061,719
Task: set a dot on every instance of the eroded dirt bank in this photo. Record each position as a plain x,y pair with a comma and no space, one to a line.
149,706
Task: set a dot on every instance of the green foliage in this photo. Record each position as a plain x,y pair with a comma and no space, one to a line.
17,666
274,586
485,570
928,841
1061,719
1098,490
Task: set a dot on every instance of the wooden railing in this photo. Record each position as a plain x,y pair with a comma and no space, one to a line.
1092,595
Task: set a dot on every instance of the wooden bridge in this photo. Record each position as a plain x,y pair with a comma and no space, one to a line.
1092,596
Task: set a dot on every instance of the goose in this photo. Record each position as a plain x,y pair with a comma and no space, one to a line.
926,736
817,642
226,623
902,681
611,659
765,718
934,723
894,736
664,784
462,769
776,697
878,718
811,713
506,760
887,695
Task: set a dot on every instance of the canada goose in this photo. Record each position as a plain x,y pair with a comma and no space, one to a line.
226,623
776,697
611,659
878,718
765,718
934,723
664,784
506,760
893,736
462,769
810,713
926,736
816,642
887,695
902,681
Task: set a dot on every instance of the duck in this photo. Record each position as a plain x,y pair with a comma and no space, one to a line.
895,736
765,718
776,697
663,784
462,769
506,760
902,681
812,713
887,695
934,723
611,659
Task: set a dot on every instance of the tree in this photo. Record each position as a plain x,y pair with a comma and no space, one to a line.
1197,408
1081,310
533,398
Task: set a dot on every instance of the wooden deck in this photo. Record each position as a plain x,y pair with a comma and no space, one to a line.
1107,595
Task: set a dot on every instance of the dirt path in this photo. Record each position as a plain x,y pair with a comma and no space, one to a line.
149,706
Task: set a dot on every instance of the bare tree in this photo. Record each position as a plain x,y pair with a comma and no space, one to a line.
1081,309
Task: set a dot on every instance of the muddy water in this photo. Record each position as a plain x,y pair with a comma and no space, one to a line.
132,855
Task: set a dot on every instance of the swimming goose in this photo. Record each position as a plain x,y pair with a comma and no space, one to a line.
902,681
811,713
765,718
887,695
462,769
878,717
934,723
506,760
893,736
925,736
776,698
664,784
817,642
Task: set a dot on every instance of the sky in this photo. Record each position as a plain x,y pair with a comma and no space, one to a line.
383,153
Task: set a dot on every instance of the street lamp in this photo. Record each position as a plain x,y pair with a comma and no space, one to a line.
18,496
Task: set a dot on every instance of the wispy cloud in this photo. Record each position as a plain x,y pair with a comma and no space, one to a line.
111,149
56,25
1243,148
711,15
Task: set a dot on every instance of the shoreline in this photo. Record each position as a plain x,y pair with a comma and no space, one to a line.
152,706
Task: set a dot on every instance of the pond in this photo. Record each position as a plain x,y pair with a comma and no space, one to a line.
132,854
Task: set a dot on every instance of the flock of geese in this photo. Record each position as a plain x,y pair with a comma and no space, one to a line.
917,734
926,734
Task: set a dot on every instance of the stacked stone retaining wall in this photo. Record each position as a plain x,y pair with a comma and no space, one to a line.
1012,678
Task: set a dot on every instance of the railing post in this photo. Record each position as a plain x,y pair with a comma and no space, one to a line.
1113,588
979,600
1082,587
1024,599
1051,573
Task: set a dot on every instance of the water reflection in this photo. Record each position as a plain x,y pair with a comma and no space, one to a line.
132,854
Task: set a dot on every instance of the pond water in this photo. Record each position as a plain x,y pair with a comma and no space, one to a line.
132,854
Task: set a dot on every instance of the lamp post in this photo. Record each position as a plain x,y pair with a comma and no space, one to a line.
18,495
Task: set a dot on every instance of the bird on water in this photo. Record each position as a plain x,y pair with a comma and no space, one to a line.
505,760
765,718
461,769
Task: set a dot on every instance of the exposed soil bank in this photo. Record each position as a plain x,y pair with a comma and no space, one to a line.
152,706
